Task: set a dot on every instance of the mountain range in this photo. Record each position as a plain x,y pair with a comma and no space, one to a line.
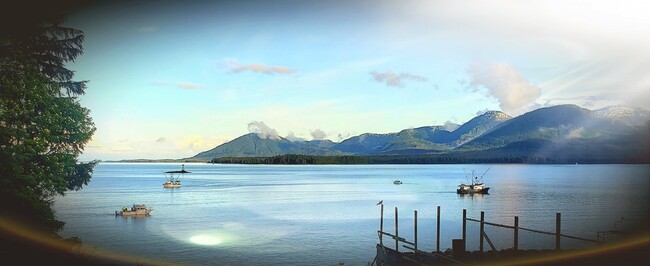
563,130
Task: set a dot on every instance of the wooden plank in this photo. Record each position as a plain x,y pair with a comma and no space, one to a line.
489,242
437,255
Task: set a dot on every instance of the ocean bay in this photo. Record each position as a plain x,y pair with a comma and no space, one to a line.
321,215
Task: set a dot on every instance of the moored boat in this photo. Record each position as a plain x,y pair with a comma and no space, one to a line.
475,186
173,176
136,209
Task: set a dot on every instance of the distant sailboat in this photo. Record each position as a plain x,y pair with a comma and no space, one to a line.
172,178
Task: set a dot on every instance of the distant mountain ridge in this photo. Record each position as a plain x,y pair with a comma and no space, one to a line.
633,116
552,128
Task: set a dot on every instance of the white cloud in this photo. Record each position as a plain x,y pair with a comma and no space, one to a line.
262,130
343,136
188,85
514,92
575,133
293,138
182,85
237,67
395,80
195,143
318,134
480,112
451,126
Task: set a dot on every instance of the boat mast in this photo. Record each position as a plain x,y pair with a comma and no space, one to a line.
484,174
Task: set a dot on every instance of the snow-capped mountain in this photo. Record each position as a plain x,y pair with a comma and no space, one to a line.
632,116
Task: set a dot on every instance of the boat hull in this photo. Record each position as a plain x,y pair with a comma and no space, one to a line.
172,184
136,210
130,213
473,191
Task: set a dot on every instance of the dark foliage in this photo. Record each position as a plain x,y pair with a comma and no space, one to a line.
43,128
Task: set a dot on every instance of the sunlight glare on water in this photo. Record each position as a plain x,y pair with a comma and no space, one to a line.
206,239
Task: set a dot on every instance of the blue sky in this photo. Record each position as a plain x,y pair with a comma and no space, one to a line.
169,79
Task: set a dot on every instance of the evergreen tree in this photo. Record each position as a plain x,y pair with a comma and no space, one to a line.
43,128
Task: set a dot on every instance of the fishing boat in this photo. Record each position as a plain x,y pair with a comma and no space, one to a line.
474,187
397,182
173,176
136,210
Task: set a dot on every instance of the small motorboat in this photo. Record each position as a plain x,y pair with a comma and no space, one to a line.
397,182
173,176
475,186
136,209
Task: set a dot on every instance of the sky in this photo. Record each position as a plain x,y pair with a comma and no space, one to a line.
170,79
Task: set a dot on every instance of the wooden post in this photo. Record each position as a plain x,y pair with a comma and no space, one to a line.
396,232
480,244
465,229
381,226
438,231
416,229
516,237
557,230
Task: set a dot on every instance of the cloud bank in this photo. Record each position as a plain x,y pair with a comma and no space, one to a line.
262,130
236,67
503,82
395,80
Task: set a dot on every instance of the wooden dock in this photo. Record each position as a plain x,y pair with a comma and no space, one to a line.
407,252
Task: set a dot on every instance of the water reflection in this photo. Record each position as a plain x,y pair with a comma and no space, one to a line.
134,217
472,196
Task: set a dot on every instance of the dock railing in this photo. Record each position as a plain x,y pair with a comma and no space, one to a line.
516,228
401,242
412,246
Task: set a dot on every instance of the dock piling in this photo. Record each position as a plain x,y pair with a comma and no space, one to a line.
381,225
438,231
480,245
557,230
516,237
396,232
464,229
415,221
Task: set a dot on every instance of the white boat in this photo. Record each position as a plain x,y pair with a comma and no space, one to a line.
475,186
173,176
136,210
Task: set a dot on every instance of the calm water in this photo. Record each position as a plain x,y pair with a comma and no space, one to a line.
322,215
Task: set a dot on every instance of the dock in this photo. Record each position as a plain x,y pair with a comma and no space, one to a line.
397,250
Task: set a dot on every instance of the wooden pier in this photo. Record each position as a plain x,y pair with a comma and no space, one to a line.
391,254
